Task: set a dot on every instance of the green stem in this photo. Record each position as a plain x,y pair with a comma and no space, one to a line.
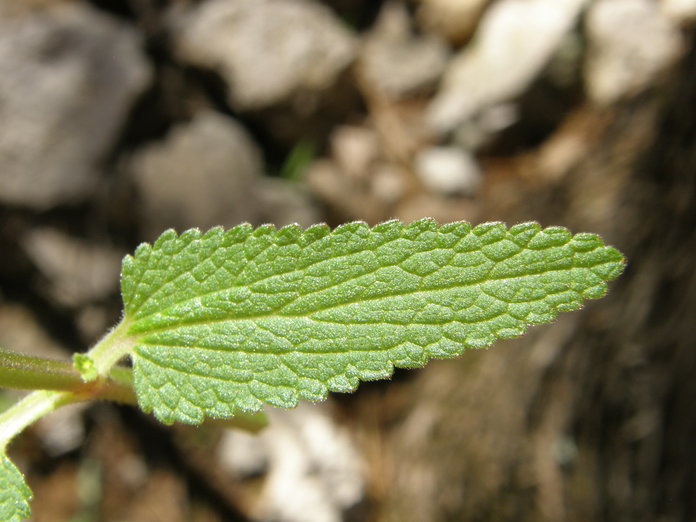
117,387
67,384
114,346
26,372
35,373
39,403
28,410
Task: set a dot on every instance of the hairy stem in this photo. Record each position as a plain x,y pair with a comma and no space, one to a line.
26,372
68,384
35,373
28,410
117,387
107,352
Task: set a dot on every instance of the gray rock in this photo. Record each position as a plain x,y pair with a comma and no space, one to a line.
68,76
389,183
282,202
398,62
63,430
514,42
630,43
266,50
489,121
202,175
208,172
77,272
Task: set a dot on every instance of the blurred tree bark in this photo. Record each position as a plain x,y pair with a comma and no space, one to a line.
591,418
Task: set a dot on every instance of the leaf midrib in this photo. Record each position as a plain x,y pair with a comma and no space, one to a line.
523,245
246,285
203,322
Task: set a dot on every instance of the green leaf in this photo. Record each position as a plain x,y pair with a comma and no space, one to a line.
14,492
228,321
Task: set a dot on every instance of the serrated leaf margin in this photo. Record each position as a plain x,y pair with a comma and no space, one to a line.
15,495
171,242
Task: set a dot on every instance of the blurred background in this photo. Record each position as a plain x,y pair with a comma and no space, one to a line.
122,118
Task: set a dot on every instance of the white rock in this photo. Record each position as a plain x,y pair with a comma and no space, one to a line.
266,50
630,43
514,42
243,454
448,170
355,149
315,470
683,11
388,183
68,76
453,19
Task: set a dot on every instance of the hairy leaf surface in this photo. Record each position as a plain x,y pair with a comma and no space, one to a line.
14,492
231,320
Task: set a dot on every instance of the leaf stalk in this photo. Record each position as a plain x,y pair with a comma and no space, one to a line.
114,346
